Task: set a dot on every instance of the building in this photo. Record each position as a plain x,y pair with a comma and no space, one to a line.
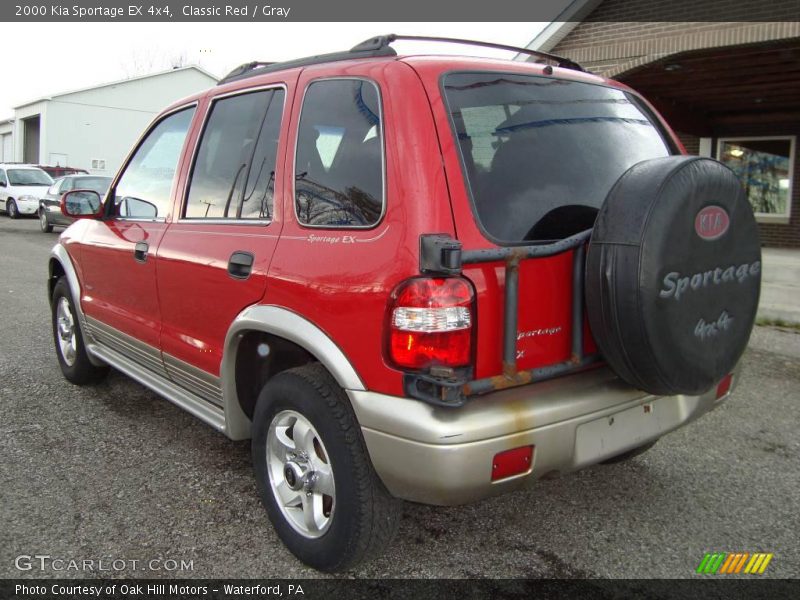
731,90
95,128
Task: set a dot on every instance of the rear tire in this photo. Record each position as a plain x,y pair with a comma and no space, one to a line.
341,513
44,225
68,339
11,209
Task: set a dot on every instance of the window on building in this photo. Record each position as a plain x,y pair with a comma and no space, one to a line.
339,160
143,191
765,167
234,172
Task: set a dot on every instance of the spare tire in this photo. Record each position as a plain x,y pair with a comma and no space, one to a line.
673,274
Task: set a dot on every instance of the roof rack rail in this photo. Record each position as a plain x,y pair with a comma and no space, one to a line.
383,41
379,46
254,69
242,69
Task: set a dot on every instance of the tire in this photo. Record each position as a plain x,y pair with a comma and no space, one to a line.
626,456
356,516
11,209
673,275
68,339
44,225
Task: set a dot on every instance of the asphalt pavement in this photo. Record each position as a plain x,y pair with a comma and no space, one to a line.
113,472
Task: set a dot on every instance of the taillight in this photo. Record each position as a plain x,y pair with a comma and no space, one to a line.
430,323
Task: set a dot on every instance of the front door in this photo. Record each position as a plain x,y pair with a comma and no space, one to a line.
213,261
120,298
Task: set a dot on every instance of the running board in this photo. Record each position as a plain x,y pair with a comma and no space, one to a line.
194,405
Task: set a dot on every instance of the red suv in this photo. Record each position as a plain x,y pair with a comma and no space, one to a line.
424,278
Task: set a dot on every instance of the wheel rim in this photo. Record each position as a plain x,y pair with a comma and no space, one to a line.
65,330
43,220
12,209
300,474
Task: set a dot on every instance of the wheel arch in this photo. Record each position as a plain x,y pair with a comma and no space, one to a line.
301,341
60,265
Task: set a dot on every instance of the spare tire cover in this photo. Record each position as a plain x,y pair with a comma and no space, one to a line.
673,274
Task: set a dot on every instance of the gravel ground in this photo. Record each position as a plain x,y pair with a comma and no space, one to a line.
114,472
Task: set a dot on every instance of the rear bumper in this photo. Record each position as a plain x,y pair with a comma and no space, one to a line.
444,456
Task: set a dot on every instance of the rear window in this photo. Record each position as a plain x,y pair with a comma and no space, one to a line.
98,184
540,154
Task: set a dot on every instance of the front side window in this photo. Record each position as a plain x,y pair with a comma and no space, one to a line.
541,154
339,159
143,191
29,177
764,166
234,172
3,177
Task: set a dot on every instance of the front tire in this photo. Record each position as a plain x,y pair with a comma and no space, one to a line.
44,225
68,339
11,209
314,475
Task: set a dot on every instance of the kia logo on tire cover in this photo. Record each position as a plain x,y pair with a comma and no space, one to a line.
711,222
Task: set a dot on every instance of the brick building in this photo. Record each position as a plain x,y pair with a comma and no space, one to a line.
730,89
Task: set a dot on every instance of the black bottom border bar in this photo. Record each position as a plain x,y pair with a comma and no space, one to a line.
311,589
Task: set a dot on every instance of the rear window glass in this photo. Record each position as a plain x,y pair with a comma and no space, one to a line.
98,184
541,154
339,162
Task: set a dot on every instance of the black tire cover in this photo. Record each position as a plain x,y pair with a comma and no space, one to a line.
673,274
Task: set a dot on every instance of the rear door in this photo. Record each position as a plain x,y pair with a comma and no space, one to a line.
118,253
530,159
213,262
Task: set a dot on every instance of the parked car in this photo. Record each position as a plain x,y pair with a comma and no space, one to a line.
56,172
50,214
426,278
21,186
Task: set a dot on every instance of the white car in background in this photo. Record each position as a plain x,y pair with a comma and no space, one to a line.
21,187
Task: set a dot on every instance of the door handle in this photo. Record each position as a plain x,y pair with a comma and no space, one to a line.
140,251
240,265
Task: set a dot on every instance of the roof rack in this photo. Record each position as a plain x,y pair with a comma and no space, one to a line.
383,41
254,69
379,46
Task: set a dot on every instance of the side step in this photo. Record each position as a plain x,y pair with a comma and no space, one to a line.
194,405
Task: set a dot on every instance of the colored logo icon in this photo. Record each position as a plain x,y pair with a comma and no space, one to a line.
728,563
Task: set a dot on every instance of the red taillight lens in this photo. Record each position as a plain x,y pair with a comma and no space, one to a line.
512,462
724,386
430,323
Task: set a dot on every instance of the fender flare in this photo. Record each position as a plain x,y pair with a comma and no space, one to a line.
60,255
287,324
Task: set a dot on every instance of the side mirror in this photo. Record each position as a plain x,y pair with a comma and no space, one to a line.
3,184
79,204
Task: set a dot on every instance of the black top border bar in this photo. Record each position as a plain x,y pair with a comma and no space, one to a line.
408,11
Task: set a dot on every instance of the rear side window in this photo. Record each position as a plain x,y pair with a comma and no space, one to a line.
541,154
339,160
234,172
